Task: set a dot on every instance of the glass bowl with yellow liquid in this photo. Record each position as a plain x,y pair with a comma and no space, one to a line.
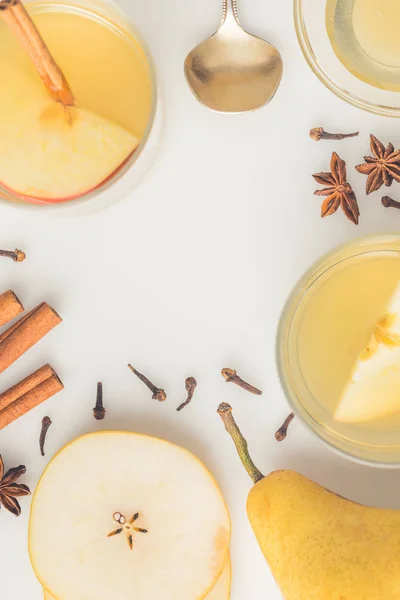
353,47
328,322
115,123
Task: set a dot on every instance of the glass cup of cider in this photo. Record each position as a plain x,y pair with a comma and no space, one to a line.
353,47
339,350
96,150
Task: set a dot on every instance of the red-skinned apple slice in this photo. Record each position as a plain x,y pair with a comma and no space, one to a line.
51,154
51,149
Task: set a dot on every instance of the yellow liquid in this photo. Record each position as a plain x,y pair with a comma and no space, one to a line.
333,323
105,66
365,36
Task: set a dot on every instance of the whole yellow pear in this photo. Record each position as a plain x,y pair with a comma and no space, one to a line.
319,545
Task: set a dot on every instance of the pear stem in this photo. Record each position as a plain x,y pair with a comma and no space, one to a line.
225,412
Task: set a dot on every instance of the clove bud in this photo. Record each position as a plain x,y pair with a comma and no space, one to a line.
46,422
281,434
191,385
231,376
16,255
158,393
319,133
99,412
388,202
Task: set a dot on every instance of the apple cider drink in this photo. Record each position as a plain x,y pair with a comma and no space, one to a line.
340,349
50,152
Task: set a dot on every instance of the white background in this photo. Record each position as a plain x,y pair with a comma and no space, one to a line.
189,275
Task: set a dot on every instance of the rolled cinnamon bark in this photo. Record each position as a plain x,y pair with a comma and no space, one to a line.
18,20
10,307
26,332
28,394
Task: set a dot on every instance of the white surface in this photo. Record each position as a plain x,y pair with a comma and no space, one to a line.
189,275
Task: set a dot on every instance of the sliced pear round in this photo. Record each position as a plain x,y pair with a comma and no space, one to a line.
121,515
49,154
220,591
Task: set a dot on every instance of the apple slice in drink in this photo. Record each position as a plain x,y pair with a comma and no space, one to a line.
373,389
120,515
51,154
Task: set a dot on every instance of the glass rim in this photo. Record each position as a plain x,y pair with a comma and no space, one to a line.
300,289
8,199
312,61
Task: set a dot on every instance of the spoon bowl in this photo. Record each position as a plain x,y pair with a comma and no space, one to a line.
233,71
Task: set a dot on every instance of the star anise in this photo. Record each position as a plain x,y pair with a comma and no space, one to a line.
339,192
9,490
382,167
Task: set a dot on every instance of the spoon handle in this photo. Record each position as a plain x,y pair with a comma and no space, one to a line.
229,7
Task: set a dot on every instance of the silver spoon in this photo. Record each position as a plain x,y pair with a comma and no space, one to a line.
233,71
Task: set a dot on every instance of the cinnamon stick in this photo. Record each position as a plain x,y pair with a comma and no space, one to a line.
28,394
21,336
18,20
10,307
